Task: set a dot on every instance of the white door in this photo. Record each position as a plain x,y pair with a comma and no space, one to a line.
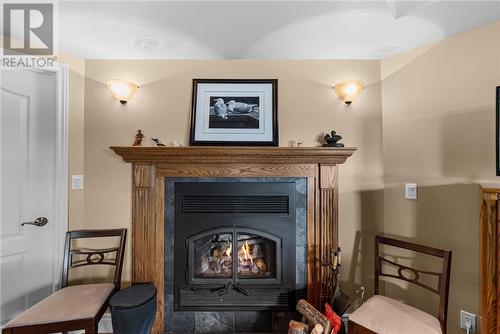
30,179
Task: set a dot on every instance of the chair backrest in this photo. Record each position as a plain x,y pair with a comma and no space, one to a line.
443,277
79,257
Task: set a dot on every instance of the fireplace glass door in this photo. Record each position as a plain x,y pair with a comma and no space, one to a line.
237,255
213,256
256,256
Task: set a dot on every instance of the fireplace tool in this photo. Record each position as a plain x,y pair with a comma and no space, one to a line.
339,301
231,286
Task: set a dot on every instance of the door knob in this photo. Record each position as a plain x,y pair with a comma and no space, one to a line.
40,221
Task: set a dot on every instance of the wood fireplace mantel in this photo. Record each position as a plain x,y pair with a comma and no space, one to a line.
222,154
151,165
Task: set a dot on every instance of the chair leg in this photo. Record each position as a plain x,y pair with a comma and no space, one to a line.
91,328
350,327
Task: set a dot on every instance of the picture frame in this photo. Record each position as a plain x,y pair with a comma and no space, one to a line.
234,112
497,132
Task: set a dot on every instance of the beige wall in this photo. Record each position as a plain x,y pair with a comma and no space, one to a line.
161,108
438,124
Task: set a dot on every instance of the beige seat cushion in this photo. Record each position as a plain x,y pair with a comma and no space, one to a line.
388,316
71,303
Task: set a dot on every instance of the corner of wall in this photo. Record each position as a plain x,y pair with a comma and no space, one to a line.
76,138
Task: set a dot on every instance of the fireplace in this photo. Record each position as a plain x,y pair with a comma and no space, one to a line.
155,171
235,254
234,246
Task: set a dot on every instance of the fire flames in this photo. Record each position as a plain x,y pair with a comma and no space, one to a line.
228,249
250,260
244,256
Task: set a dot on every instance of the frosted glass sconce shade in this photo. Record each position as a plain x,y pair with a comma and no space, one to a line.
347,91
121,90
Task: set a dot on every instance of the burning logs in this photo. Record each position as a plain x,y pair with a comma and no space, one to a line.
215,258
221,260
251,258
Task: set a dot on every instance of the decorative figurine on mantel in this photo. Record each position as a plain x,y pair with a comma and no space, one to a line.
157,142
139,136
331,140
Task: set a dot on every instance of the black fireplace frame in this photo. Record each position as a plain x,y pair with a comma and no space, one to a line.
278,227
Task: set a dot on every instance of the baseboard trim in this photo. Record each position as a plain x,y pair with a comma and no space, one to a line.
105,325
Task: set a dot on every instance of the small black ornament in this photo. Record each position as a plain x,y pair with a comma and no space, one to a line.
331,140
157,142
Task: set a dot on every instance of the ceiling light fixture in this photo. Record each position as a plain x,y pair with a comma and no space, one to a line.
347,91
121,90
147,43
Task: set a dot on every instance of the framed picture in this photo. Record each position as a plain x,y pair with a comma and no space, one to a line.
497,139
234,112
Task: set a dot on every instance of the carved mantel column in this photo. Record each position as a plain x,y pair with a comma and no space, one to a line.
147,232
328,189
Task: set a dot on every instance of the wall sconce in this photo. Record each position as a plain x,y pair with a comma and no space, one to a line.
121,90
347,91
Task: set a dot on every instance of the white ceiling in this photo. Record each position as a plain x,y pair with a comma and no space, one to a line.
262,29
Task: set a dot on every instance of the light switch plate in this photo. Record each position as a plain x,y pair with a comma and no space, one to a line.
77,182
410,190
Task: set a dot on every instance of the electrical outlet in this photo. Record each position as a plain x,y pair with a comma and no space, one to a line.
466,317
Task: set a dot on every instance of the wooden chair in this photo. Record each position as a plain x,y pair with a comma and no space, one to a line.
384,315
80,306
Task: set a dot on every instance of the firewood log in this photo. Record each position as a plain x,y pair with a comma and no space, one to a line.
295,327
318,329
313,316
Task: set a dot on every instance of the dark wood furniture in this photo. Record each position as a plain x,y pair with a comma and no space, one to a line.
80,306
489,320
151,165
410,275
94,256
